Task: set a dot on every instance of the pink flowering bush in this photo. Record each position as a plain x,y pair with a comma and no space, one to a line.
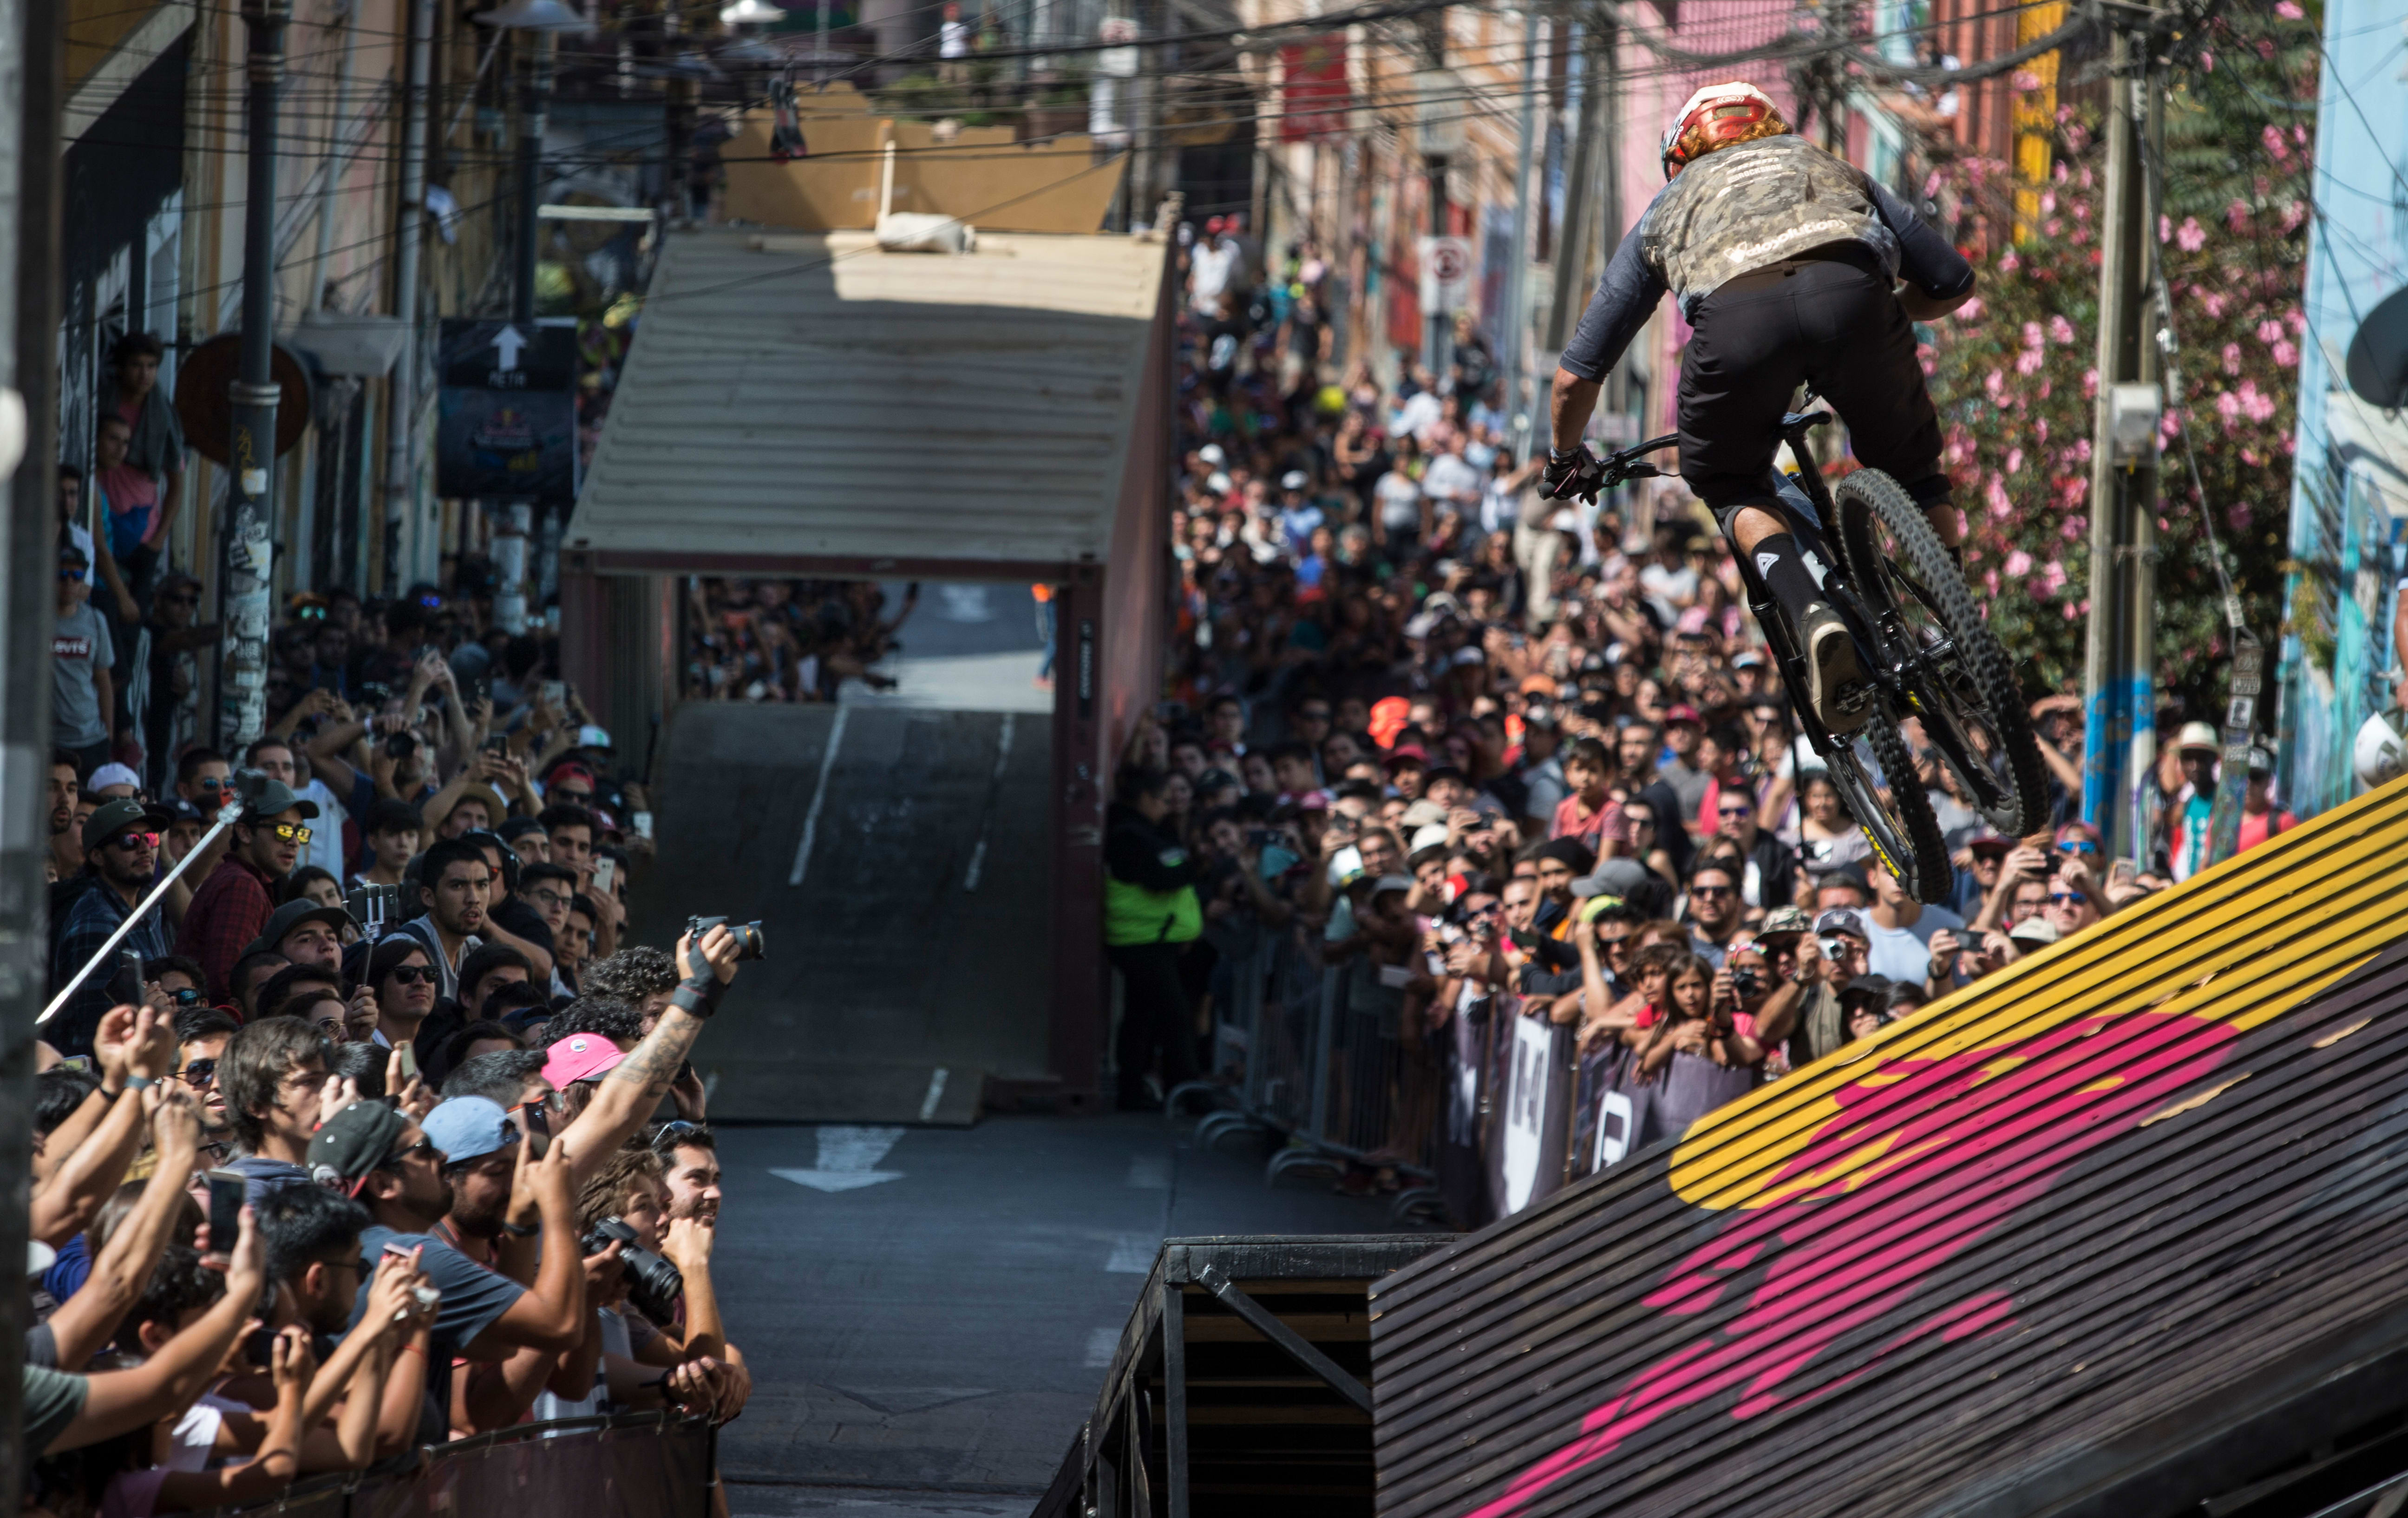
2015,373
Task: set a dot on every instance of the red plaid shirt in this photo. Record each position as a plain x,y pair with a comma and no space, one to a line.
228,911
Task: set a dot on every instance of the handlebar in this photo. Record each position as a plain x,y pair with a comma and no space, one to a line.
1624,464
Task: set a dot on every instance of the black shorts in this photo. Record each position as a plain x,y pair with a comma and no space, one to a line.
1832,321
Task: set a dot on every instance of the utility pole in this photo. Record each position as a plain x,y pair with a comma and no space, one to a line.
1593,42
401,391
1607,82
1437,327
249,547
32,68
1519,407
2119,737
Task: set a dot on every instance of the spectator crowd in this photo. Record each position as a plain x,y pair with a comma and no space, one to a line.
376,1130
1492,756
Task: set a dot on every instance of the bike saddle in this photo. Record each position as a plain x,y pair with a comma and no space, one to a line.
1802,421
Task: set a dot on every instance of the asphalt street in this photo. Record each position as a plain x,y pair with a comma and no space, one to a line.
928,1312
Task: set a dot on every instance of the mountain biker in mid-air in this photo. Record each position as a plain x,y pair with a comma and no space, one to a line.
1781,256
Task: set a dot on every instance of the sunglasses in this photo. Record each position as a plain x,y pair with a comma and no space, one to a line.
424,1148
1709,893
669,1133
413,975
1735,811
184,996
293,832
134,842
211,782
71,576
2063,898
2077,846
198,1072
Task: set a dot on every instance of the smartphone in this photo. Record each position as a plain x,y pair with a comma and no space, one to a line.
259,1348
538,1120
400,1252
498,743
605,869
408,1062
125,986
555,691
1396,977
2121,874
228,1189
642,822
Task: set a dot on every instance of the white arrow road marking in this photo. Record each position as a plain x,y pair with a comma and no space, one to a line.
846,1160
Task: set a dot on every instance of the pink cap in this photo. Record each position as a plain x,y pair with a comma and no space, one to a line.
581,1056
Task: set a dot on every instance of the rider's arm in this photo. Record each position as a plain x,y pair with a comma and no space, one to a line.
1625,297
1938,278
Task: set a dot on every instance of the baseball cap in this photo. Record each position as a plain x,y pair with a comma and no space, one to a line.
353,1142
1991,844
469,1128
2261,760
1683,714
107,775
1408,754
180,811
1422,813
1210,454
291,915
270,798
1386,884
1612,877
1294,479
591,737
1845,920
585,1057
2197,736
116,817
1471,654
1874,988
1785,920
1746,659
1538,685
2033,930
1429,836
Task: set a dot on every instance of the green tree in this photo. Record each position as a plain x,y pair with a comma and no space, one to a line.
2015,375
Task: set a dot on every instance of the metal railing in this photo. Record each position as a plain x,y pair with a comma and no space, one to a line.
629,1465
1314,1057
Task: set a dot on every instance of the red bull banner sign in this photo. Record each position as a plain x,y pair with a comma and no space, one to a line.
2048,1228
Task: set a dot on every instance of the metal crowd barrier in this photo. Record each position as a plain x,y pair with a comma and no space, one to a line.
630,1465
1337,1087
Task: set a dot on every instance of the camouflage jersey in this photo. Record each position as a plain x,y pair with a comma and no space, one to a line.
1744,207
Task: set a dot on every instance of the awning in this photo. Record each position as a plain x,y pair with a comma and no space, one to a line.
805,404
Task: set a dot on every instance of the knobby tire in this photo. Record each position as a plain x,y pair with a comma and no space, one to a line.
1984,664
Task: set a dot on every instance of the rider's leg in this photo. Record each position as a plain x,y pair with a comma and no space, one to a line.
1869,368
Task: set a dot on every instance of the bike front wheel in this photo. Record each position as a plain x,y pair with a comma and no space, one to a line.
1957,680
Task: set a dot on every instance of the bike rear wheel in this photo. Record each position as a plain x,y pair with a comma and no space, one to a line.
1957,680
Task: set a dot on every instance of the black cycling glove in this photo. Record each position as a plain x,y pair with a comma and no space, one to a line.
1573,475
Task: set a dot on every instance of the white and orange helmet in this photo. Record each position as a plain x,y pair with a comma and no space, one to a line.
1718,116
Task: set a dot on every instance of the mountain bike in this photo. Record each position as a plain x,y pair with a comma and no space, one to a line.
1920,637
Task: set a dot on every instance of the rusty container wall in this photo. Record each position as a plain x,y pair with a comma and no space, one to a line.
2116,1231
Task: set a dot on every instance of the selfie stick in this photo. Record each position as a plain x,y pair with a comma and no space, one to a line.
227,815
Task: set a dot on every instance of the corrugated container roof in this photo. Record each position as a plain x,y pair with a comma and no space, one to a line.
2078,1240
792,396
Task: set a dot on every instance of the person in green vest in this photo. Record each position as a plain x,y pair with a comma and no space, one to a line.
1150,915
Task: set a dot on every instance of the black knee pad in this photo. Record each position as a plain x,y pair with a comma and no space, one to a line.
1726,494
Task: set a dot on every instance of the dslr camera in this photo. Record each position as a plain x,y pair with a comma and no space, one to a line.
653,1285
749,942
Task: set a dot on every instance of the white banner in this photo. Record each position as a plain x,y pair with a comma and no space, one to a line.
1526,1109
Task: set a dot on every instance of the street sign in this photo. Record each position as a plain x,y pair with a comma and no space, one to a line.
1446,275
506,427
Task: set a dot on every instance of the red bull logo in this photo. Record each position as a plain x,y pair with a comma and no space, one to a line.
1851,1206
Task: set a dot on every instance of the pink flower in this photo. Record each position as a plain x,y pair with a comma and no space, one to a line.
2052,577
2288,9
2073,529
1990,580
2074,612
2294,212
2232,358
2191,237
2287,353
2009,262
2030,360
2033,336
2048,198
2039,429
2277,148
2015,460
2241,516
2236,215
2270,331
1970,310
2019,564
2213,303
2165,228
2026,81
2059,330
2260,405
2206,61
1995,498
2090,384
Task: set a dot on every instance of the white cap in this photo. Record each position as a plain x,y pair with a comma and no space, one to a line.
112,775
1294,479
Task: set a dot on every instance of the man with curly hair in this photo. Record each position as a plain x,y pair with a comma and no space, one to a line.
1783,257
641,977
